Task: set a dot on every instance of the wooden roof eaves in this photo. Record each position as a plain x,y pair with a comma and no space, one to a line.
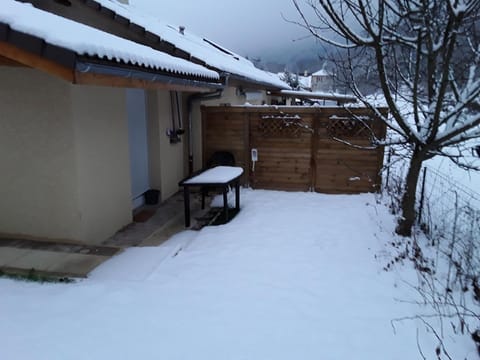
37,46
29,59
34,52
16,55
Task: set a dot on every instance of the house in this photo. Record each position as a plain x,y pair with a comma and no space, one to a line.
322,81
315,89
242,81
94,100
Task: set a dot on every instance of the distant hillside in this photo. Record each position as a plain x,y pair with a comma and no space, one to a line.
297,57
311,56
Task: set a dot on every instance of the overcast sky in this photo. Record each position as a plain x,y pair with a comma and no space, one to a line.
248,27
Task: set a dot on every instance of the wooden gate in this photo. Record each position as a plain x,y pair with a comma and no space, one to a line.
328,150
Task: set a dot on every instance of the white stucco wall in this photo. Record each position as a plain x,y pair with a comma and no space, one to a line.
63,158
37,160
166,160
102,160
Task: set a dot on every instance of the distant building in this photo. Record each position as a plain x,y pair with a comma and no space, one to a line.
322,81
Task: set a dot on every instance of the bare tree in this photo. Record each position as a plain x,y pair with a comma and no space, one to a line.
426,54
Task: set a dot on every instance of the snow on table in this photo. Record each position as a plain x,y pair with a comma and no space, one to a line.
85,40
216,175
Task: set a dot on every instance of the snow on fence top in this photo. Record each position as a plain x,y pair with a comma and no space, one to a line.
208,51
85,40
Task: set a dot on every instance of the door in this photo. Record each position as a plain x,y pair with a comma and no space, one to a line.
138,141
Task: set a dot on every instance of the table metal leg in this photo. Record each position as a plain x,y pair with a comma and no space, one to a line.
225,203
186,203
237,195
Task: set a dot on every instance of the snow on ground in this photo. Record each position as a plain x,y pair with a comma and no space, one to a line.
293,276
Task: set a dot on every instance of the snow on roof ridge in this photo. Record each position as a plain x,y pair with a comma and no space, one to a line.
321,72
196,46
86,40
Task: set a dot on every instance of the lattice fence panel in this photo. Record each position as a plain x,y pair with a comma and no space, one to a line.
278,126
343,127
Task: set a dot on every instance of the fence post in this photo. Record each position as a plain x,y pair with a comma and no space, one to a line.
422,196
389,157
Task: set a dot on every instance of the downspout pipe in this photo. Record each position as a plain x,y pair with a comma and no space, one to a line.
217,94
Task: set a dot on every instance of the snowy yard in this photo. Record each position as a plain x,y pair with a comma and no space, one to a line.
293,276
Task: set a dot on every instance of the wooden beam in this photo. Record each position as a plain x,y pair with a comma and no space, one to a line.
11,55
8,62
17,55
124,82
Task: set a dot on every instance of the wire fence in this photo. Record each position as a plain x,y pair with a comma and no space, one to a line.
447,258
447,212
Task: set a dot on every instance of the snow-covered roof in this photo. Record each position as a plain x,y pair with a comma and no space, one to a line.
322,72
305,82
203,49
85,40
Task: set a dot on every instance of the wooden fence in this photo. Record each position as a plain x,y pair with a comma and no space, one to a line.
328,150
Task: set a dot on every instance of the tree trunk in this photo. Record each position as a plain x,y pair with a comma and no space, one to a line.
405,223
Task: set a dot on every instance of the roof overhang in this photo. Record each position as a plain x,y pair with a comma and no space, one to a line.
146,37
87,72
20,49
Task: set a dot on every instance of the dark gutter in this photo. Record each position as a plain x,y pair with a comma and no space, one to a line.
71,60
91,67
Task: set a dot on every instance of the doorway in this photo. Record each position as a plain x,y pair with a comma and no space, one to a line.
138,144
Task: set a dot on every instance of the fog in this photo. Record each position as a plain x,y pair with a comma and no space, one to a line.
253,28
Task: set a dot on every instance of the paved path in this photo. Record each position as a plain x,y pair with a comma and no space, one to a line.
53,258
74,259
